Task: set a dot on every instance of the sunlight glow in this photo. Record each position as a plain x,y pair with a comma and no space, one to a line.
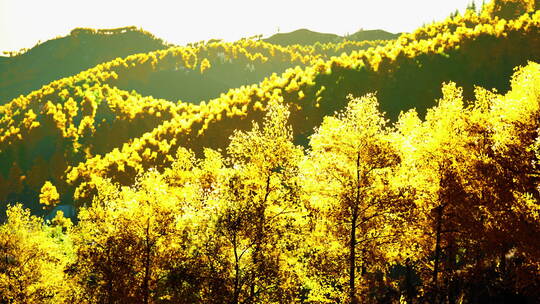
24,22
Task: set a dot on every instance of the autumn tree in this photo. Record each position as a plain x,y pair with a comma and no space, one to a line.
198,183
474,207
32,260
510,180
349,168
259,208
130,240
510,9
438,148
49,196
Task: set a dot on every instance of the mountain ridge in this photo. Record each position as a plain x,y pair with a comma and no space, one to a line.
305,36
64,56
26,71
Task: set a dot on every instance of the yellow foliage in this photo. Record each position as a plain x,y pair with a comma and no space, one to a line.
48,197
33,260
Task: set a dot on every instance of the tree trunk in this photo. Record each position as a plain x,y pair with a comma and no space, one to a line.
236,272
409,288
437,254
146,292
352,261
352,244
452,290
110,290
475,294
109,275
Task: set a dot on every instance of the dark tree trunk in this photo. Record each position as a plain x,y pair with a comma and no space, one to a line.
257,252
236,272
437,254
110,298
109,274
146,280
452,290
352,243
352,261
409,288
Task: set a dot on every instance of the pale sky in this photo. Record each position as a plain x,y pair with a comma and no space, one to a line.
24,22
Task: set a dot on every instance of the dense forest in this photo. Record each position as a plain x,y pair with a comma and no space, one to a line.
302,168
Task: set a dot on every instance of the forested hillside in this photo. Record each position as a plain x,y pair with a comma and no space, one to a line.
28,70
78,117
356,215
406,74
304,168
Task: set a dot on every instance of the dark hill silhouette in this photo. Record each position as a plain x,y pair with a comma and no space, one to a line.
363,35
307,37
66,56
303,37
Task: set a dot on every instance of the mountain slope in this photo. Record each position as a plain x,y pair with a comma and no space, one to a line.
302,37
406,74
45,134
65,56
76,118
372,35
307,37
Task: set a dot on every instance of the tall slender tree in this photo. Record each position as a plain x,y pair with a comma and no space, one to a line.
349,168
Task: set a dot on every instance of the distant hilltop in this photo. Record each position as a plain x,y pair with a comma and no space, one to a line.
29,69
113,31
307,37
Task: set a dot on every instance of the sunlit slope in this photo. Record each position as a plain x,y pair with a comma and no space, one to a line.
203,70
406,74
78,117
40,140
160,74
100,83
199,71
66,56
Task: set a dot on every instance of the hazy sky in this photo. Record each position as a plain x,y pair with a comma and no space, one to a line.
24,22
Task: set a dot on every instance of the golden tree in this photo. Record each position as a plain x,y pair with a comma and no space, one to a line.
130,240
49,196
259,209
32,260
349,169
